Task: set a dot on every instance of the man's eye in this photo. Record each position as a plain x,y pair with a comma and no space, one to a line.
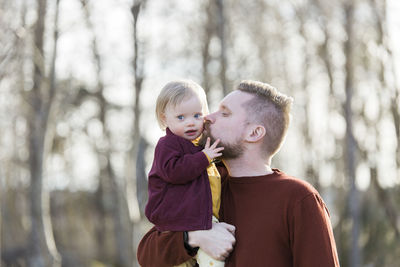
197,116
180,117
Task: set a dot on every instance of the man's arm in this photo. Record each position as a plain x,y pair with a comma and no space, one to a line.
313,243
158,249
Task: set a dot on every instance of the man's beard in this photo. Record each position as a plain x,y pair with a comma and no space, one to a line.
231,151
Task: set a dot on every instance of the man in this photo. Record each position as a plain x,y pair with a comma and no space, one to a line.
271,219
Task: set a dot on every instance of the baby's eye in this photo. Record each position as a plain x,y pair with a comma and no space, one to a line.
224,114
198,115
180,117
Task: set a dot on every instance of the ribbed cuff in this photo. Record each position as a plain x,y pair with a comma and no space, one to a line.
209,159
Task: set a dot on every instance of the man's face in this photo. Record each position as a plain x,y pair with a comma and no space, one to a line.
228,124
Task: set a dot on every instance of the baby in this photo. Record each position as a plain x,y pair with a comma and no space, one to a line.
184,185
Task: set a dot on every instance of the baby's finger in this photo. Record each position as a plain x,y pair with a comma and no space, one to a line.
207,145
215,144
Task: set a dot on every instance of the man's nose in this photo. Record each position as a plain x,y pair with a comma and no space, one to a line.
210,117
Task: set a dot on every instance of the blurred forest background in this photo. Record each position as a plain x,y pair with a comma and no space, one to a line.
78,82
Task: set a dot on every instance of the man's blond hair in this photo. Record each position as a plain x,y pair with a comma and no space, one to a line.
173,93
269,108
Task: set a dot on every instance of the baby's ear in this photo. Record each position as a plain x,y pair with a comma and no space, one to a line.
256,133
162,119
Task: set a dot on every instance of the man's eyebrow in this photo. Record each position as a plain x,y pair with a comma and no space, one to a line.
222,106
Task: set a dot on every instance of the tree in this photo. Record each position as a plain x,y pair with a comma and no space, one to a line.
108,185
351,146
221,32
41,248
139,145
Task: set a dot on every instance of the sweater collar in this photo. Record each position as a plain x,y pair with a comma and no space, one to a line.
168,131
195,142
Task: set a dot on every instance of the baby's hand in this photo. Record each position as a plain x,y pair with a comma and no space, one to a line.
212,151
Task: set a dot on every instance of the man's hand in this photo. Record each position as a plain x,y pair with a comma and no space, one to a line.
212,151
217,242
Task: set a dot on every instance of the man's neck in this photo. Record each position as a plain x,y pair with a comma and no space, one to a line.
247,167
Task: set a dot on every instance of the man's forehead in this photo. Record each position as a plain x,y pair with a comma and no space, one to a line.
235,99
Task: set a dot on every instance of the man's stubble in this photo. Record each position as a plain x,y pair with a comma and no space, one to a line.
231,150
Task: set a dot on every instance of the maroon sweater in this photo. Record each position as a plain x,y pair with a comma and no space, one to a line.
280,221
179,189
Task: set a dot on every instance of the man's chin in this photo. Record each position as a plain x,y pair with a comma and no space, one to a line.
231,151
203,138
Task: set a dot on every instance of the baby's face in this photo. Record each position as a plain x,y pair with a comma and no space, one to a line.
186,118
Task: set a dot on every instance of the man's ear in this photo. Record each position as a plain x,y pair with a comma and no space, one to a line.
256,133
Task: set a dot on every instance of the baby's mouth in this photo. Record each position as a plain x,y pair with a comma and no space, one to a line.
191,132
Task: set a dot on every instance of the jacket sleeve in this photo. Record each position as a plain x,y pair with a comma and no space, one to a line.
176,167
313,243
162,249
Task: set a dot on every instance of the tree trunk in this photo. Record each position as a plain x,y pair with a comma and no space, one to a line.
221,34
137,153
388,66
355,258
208,31
41,247
383,195
1,210
385,200
141,180
311,172
108,181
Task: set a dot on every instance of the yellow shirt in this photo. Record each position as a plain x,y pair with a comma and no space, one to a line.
215,184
